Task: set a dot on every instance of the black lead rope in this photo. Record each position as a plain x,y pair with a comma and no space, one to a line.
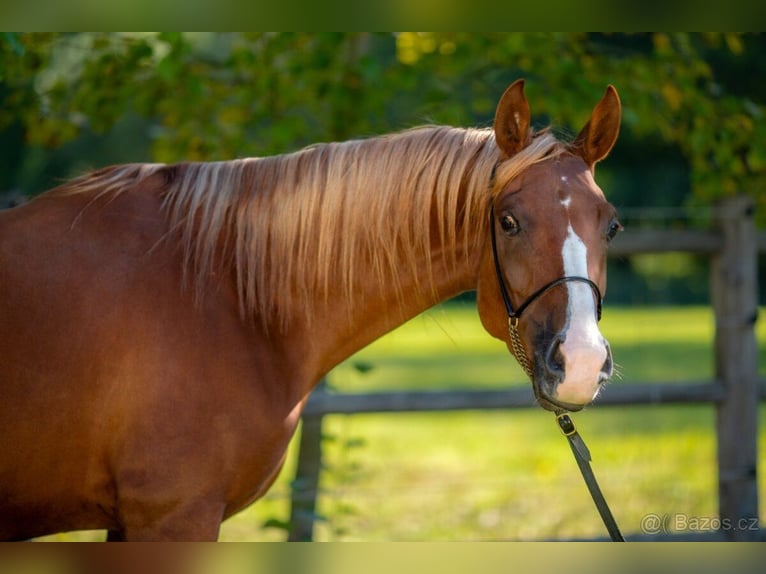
582,457
579,449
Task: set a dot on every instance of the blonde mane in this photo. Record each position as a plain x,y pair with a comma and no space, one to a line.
299,227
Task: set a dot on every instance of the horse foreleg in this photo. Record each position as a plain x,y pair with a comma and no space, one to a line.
195,521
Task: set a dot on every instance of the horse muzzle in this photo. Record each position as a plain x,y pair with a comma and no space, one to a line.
569,377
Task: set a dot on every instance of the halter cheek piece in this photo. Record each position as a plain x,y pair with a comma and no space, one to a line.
515,315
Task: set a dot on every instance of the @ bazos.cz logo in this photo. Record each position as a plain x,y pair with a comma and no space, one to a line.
678,522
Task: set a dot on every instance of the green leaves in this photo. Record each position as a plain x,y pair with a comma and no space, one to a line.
223,95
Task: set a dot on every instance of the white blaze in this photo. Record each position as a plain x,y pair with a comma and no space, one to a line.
583,348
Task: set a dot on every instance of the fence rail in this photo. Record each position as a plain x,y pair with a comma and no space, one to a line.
735,389
324,402
664,241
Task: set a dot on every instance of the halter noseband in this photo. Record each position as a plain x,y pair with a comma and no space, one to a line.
515,315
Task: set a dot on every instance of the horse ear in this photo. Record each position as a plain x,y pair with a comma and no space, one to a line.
512,120
596,139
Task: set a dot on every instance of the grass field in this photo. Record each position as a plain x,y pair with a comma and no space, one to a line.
509,475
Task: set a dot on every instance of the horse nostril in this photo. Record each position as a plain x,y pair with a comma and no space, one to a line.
554,359
608,366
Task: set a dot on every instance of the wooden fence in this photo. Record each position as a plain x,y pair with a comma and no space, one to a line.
733,245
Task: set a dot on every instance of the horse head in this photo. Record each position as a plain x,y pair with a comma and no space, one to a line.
543,270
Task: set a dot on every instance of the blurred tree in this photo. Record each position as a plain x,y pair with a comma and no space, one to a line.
217,96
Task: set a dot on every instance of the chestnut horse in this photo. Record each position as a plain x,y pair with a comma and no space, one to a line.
161,326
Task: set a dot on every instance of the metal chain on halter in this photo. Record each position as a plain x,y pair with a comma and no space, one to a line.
517,347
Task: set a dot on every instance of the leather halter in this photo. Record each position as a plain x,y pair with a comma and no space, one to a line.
564,421
515,315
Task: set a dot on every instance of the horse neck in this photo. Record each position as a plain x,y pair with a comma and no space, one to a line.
337,330
393,231
341,242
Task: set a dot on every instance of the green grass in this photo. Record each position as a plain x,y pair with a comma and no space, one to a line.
447,347
508,475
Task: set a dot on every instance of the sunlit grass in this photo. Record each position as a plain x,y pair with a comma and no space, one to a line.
447,347
509,474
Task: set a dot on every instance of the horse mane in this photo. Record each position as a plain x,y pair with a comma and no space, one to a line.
299,227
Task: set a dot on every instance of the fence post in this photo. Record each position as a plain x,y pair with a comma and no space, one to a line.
735,302
305,485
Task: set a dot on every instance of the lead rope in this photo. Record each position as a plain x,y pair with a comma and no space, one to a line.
565,422
582,457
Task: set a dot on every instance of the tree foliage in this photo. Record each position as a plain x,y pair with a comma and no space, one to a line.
218,96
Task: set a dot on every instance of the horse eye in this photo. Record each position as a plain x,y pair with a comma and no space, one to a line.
510,225
614,228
